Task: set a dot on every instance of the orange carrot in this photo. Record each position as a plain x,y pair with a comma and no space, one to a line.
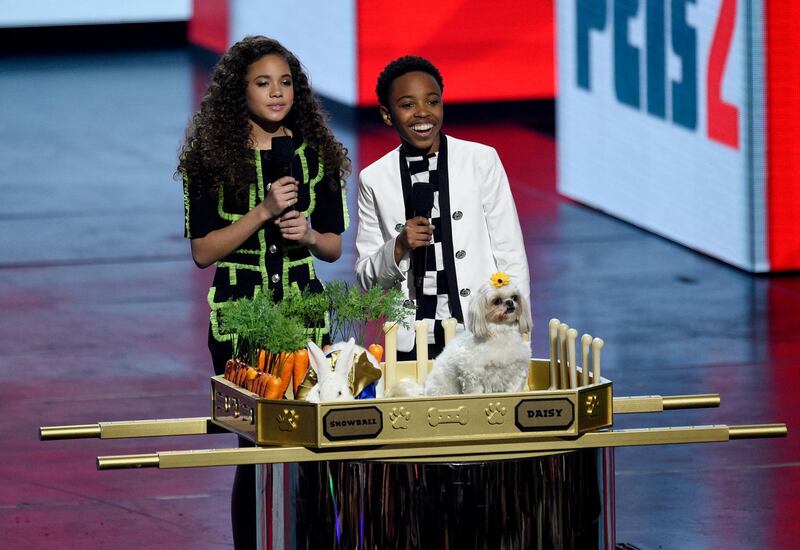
272,363
265,387
273,387
230,368
250,377
377,351
299,368
242,379
260,385
286,369
262,358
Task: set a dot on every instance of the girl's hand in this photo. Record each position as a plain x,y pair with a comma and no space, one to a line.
294,227
281,195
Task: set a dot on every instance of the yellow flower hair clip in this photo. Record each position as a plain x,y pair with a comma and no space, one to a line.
499,279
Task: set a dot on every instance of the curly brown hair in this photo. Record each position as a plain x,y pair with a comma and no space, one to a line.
217,148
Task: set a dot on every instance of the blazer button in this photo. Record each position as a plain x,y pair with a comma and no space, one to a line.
464,292
399,227
275,278
460,254
457,215
273,249
409,304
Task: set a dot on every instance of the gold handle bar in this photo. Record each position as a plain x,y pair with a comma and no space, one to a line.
128,461
80,431
701,401
448,452
757,431
658,403
133,428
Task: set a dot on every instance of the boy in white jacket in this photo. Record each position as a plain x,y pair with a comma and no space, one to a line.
472,231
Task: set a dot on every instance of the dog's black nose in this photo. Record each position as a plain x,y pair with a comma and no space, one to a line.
510,306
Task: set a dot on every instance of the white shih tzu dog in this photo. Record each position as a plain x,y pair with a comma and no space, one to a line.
493,355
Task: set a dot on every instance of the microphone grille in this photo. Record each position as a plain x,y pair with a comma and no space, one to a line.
422,197
282,149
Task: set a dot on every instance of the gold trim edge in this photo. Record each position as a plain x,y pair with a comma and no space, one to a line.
450,453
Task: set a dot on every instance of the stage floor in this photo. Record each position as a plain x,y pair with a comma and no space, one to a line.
104,318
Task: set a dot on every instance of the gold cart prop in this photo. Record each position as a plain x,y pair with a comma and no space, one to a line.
524,470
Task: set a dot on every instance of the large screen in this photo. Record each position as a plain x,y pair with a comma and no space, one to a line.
657,119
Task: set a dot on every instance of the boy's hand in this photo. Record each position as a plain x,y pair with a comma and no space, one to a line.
418,232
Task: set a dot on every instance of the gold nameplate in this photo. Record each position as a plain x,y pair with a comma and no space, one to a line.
545,414
353,423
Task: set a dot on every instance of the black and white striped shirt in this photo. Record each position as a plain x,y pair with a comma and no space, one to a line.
433,305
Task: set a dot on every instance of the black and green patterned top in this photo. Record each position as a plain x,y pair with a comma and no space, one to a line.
265,257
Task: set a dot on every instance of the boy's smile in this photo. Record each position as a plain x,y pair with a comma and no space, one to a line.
415,110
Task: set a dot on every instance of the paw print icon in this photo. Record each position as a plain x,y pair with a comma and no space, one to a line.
592,404
399,418
495,413
287,420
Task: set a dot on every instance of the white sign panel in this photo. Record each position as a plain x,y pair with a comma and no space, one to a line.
40,13
653,111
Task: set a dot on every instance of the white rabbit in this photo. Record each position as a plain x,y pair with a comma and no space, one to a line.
332,384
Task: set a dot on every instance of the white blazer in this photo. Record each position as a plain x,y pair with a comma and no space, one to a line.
486,235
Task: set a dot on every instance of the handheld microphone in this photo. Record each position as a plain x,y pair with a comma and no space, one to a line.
422,203
282,155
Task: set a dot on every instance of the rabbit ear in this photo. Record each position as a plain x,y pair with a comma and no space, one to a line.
344,363
317,360
313,395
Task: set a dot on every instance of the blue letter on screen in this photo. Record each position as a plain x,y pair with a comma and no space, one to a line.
626,56
684,44
589,14
656,59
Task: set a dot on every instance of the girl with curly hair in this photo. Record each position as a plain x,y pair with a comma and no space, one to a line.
259,216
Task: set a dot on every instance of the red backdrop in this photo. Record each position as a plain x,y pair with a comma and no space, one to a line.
783,131
486,51
208,27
